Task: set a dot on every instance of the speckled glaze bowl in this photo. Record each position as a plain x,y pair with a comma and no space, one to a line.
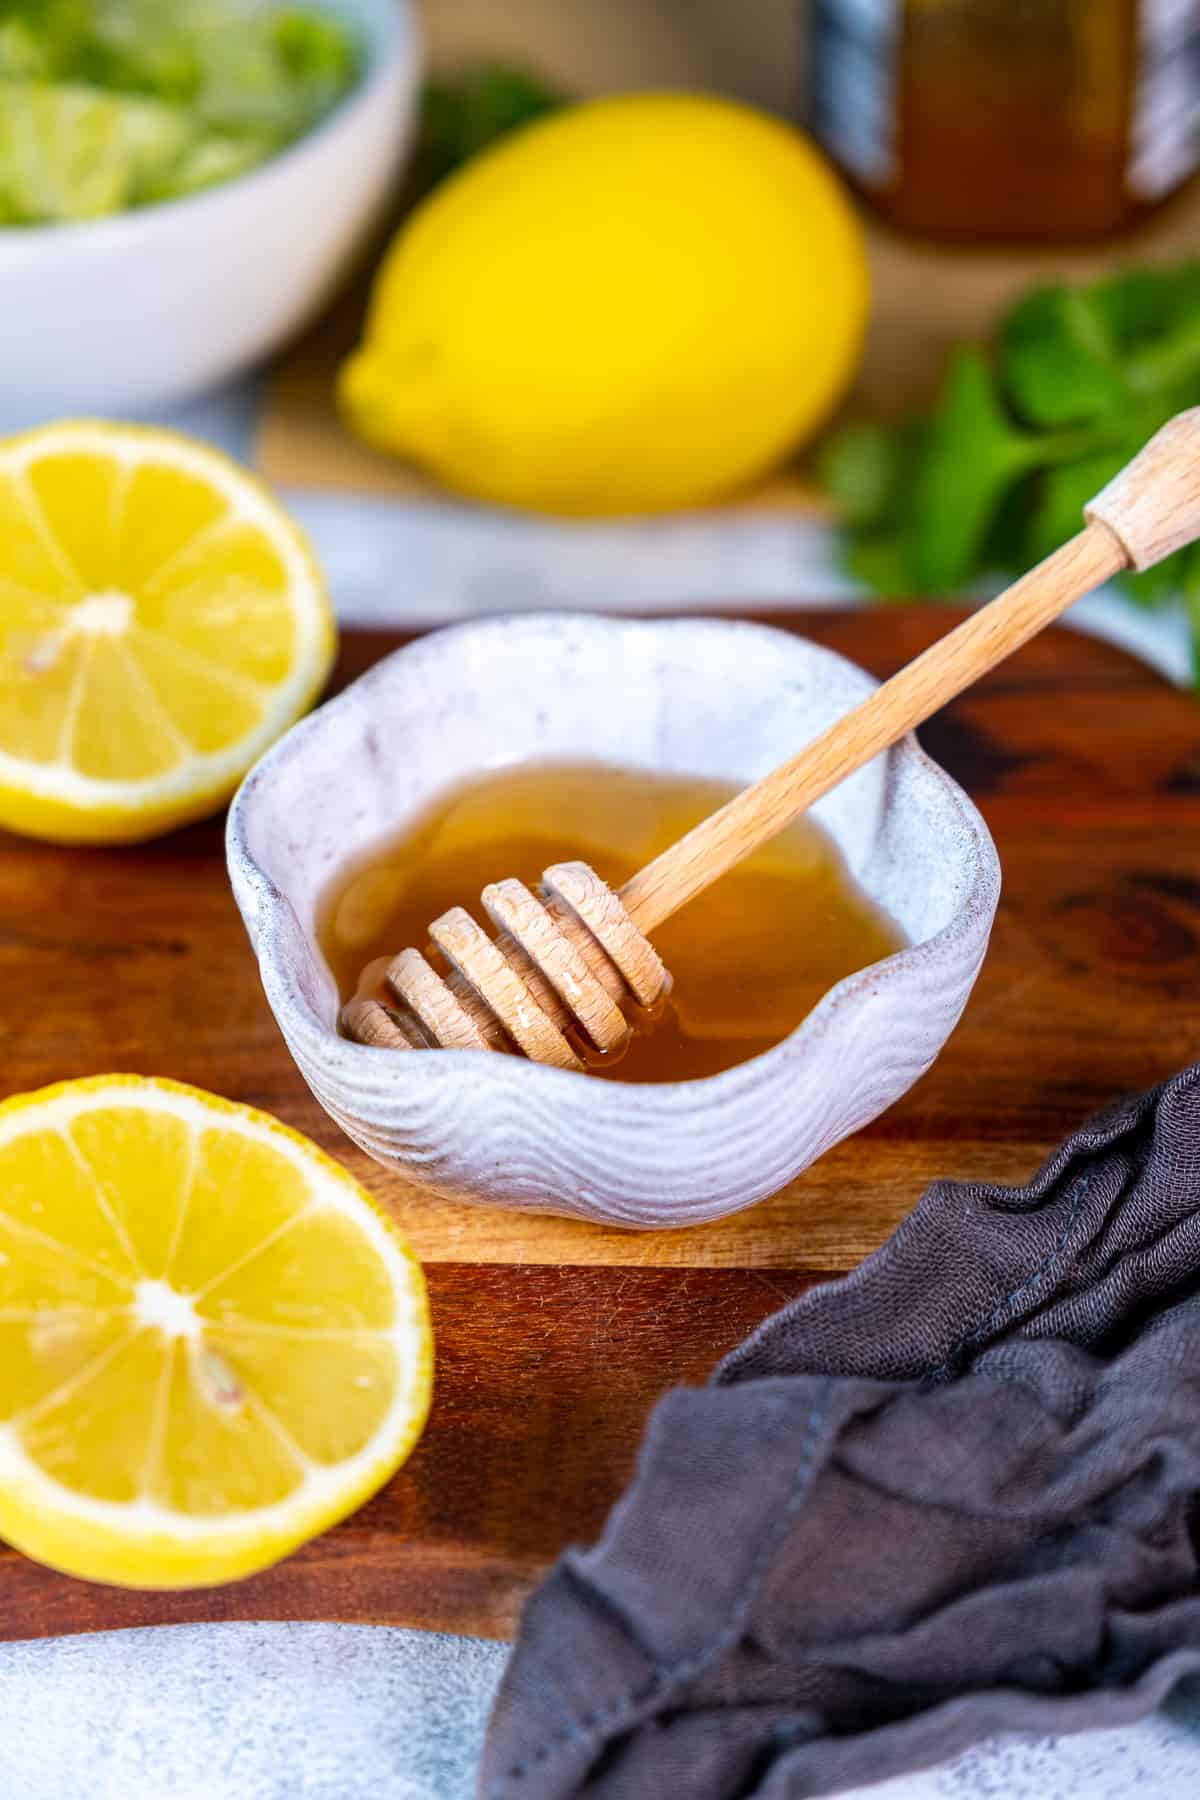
696,697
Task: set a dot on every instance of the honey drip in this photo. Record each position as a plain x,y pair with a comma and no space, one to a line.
749,958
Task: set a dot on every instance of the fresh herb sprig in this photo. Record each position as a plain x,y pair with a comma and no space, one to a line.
464,113
996,476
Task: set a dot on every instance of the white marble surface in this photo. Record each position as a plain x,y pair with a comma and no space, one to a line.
394,563
245,1712
409,563
1158,1758
328,1712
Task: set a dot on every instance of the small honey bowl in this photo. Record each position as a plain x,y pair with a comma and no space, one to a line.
707,699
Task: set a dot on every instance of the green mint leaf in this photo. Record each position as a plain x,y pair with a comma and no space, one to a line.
1064,491
1007,544
1059,361
1079,355
864,467
1155,587
1145,306
877,559
999,475
1159,361
973,456
462,116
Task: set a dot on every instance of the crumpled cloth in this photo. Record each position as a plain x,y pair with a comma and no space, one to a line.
953,1494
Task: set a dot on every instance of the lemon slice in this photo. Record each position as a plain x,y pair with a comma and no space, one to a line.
162,621
212,1343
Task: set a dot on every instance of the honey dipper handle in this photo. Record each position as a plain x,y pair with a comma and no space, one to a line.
1150,509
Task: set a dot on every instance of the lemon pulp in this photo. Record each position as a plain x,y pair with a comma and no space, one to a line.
161,622
212,1343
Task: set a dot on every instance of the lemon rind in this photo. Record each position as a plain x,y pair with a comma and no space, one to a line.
141,1543
202,778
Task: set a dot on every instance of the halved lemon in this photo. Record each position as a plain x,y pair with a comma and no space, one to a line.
162,621
213,1344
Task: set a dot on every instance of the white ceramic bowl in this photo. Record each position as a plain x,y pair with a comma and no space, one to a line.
700,697
148,307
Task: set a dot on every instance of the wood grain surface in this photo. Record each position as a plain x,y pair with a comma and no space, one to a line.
555,1338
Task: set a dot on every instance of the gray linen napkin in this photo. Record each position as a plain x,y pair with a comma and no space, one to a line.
951,1495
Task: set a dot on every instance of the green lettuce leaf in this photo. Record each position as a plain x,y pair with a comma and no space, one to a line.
116,103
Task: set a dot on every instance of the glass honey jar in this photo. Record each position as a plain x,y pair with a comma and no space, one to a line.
1008,120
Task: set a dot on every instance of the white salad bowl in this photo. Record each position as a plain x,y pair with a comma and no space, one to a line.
151,306
695,697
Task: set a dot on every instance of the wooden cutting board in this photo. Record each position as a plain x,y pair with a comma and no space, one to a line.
554,1338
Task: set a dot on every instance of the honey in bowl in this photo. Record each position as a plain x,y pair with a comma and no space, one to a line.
749,958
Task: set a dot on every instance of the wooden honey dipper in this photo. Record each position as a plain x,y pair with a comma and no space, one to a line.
556,981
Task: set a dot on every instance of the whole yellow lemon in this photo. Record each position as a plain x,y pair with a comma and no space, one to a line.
638,303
